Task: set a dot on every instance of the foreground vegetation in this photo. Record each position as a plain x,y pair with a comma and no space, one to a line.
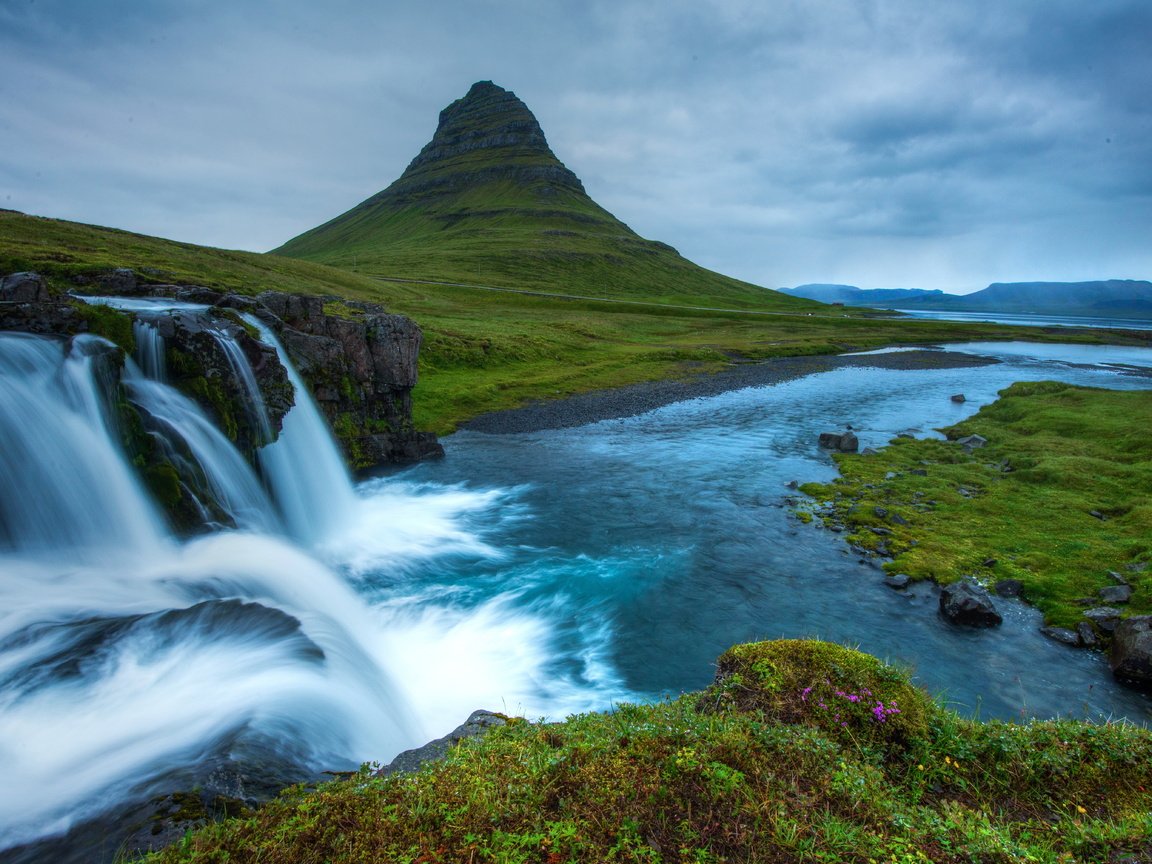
802,751
486,350
1056,499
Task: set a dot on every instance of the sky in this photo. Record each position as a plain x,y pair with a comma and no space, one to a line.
879,143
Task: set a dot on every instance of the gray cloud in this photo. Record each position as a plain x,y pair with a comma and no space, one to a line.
894,143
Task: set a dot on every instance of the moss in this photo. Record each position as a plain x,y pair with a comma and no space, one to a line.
164,483
745,772
112,324
1055,499
844,693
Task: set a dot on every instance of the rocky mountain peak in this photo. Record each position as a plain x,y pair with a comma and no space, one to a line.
488,133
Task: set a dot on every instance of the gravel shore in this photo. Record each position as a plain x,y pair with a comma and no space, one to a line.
638,398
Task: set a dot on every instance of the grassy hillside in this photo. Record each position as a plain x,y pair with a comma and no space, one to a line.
486,201
801,752
486,350
1056,499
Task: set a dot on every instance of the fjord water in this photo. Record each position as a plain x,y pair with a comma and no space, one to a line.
540,573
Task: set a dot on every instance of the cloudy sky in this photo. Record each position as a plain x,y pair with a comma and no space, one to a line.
882,143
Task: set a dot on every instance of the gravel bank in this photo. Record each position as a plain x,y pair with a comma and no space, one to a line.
639,398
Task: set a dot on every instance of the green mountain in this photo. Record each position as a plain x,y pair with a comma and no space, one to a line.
486,202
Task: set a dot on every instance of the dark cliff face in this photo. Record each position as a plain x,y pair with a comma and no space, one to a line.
359,365
489,134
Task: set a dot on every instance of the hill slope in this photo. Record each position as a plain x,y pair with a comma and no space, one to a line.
487,202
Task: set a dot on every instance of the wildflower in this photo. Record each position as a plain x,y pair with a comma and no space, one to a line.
1080,810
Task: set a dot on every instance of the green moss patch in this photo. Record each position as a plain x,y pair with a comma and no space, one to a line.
1056,499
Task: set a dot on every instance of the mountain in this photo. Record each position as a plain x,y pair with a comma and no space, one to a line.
487,202
850,295
1112,298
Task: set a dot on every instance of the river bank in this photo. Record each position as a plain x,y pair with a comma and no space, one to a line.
634,399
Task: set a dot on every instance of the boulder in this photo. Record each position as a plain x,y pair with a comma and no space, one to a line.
972,442
958,398
478,723
1009,587
1061,634
24,288
1087,634
967,603
1116,593
845,442
1104,618
898,581
1131,657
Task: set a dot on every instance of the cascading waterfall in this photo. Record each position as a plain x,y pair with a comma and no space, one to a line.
128,658
67,489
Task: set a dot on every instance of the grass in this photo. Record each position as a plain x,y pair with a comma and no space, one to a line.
1019,508
487,350
773,763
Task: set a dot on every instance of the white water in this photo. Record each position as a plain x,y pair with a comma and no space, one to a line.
125,654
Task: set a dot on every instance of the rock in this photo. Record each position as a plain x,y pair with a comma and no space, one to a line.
959,397
361,369
1087,634
972,442
792,484
121,281
1061,634
967,603
906,435
883,532
849,443
1117,578
1009,587
1105,618
1096,514
1131,656
24,288
897,519
918,472
898,582
830,440
478,723
869,451
1116,593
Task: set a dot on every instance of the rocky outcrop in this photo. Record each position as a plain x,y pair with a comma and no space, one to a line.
478,723
361,367
359,362
967,603
1131,657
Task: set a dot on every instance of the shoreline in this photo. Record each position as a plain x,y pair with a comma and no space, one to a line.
585,408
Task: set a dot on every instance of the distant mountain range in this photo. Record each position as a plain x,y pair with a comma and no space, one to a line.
1108,298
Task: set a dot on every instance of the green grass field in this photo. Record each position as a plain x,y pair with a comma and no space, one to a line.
1020,507
486,350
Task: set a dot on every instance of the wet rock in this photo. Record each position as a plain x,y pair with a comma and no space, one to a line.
898,581
478,723
1104,618
958,398
1009,587
1061,634
1116,593
967,603
1087,634
24,288
1131,656
845,442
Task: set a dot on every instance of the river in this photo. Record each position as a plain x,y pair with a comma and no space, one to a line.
539,573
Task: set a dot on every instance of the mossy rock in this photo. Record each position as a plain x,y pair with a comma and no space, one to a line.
853,697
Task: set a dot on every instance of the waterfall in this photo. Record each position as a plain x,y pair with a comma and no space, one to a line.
303,466
150,350
124,654
66,487
210,469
